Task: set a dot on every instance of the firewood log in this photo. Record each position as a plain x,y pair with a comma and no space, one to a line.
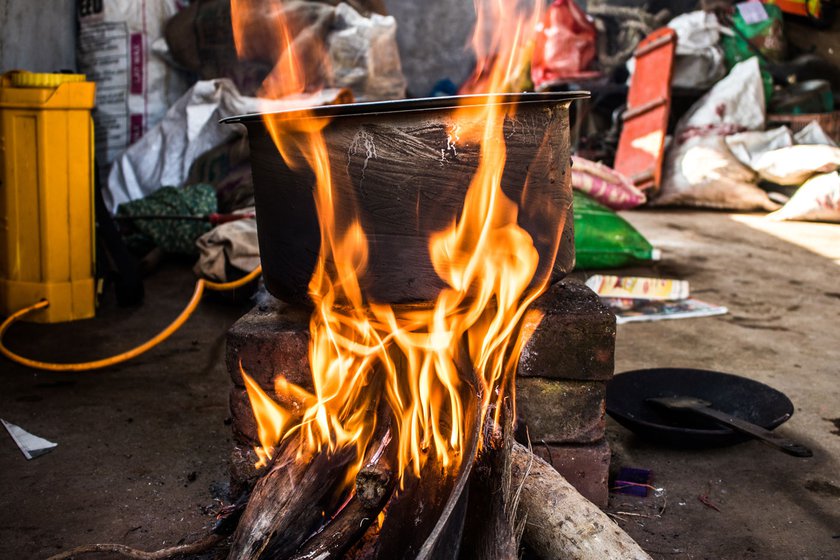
559,522
287,505
425,520
374,486
491,531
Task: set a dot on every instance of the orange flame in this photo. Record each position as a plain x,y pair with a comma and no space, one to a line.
364,355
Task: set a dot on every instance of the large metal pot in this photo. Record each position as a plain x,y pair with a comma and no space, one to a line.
408,179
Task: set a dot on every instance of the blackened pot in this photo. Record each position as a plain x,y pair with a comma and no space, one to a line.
408,177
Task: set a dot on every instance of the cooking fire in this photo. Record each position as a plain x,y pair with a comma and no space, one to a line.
404,430
352,279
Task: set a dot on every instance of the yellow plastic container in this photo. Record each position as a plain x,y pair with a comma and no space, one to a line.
46,195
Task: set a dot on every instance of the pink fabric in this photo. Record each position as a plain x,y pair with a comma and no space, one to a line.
604,184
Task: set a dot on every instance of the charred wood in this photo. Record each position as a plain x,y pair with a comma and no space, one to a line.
367,548
491,531
425,519
374,486
287,504
351,523
228,517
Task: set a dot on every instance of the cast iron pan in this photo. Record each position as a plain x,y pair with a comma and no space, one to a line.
738,396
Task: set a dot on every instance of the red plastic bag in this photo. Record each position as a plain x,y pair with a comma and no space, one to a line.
564,45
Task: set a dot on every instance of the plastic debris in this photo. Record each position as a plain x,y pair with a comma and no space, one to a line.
748,146
756,27
189,129
118,48
603,239
633,482
564,45
813,133
699,62
30,445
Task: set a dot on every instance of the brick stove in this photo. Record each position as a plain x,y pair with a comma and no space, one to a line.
560,387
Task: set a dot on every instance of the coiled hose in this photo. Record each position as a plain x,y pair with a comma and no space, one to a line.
200,286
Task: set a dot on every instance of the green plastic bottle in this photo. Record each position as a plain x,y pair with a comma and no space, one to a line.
603,239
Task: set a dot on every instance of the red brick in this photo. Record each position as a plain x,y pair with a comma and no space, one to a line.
244,424
272,339
557,411
572,335
243,470
586,467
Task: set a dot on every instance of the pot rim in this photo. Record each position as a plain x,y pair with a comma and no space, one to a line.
415,105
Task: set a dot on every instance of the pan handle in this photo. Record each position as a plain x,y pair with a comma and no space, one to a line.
768,437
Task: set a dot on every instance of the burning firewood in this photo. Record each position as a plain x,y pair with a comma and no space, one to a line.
432,368
559,522
492,531
425,519
374,486
288,503
373,489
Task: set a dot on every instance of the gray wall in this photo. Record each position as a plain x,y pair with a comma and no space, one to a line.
37,35
432,36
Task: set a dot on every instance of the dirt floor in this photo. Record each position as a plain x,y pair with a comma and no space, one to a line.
142,447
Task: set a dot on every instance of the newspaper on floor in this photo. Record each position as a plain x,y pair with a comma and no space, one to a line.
635,299
30,445
637,310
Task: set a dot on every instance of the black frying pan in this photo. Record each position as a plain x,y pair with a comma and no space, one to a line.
741,397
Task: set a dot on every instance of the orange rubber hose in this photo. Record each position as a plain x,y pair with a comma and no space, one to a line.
200,286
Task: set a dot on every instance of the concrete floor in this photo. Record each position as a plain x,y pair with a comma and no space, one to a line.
143,446
781,283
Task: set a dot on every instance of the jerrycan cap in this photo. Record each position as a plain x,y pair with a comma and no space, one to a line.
22,78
